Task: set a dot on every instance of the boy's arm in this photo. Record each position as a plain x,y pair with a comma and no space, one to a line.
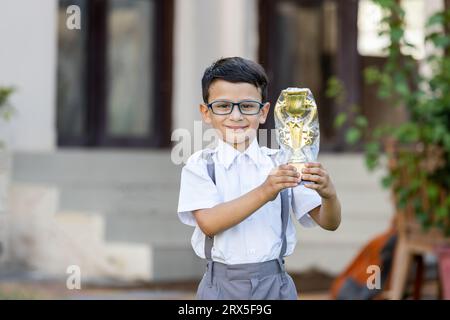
228,214
328,215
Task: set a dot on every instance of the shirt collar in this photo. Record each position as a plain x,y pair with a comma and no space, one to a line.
226,154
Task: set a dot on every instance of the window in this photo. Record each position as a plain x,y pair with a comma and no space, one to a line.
369,23
114,75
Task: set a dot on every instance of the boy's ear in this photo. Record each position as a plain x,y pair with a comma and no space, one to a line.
205,114
264,113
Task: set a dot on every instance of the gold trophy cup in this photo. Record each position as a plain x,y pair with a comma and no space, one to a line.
297,126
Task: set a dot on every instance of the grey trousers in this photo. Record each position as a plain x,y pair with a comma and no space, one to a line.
253,281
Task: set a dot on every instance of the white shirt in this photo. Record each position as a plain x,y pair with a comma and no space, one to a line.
258,237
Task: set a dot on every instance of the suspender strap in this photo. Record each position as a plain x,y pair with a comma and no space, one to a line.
284,194
209,241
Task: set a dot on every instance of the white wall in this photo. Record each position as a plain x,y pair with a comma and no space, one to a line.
28,62
205,31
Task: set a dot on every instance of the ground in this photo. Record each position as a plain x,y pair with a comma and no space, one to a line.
312,284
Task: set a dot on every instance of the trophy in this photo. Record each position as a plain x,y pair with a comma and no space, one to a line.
297,126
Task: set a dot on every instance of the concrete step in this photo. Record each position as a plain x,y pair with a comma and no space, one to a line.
33,200
344,235
31,211
129,262
121,199
176,262
152,229
5,172
86,228
362,205
49,243
332,258
349,168
104,166
4,239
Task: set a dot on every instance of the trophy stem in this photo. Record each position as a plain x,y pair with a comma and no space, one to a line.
298,165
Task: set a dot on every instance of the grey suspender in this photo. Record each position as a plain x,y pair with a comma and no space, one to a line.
209,241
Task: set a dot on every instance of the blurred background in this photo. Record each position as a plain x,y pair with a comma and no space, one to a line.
87,177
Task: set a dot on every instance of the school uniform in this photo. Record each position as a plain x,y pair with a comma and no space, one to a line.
245,261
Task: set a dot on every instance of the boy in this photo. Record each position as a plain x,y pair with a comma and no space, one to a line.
238,198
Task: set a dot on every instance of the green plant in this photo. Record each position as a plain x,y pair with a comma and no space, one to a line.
418,150
6,109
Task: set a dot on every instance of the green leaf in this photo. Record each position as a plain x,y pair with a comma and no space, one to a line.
5,92
433,192
372,147
441,41
441,212
396,34
371,75
423,218
437,18
353,135
402,88
340,119
384,3
361,121
335,88
387,181
372,154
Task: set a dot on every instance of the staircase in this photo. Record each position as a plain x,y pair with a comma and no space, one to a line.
136,193
47,241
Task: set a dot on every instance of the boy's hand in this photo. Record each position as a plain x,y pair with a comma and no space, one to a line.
315,172
281,177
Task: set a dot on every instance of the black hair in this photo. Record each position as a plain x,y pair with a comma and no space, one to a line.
235,69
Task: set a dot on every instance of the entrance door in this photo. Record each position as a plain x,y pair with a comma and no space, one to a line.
305,42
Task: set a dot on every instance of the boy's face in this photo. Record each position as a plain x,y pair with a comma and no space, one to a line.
236,128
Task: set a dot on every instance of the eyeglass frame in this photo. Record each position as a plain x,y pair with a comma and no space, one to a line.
261,105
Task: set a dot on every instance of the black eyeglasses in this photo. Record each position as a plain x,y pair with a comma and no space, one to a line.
247,107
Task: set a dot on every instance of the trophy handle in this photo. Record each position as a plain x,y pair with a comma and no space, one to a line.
313,111
279,110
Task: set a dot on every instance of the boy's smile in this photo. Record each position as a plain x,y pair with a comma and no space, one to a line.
236,128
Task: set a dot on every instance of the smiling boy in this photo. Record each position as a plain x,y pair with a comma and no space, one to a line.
238,198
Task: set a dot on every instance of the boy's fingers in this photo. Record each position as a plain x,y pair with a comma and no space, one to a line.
311,185
313,165
284,172
317,171
311,177
290,173
287,167
286,179
288,184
